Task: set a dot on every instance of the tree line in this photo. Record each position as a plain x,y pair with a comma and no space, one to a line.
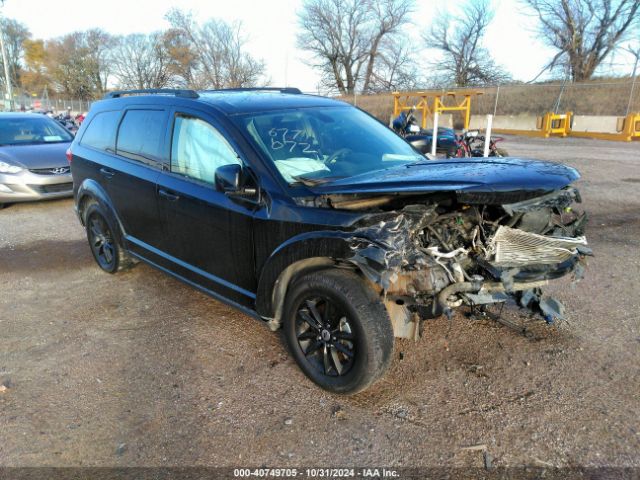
363,45
86,64
355,46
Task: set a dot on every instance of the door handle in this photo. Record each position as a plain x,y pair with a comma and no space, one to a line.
172,197
105,172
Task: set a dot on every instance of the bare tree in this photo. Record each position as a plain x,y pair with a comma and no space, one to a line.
348,39
459,38
183,58
216,56
142,61
98,45
78,63
584,32
396,69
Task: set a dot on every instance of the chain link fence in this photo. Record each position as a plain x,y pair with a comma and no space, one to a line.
23,101
610,98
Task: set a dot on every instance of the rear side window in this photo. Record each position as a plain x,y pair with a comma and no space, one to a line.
198,149
141,136
101,132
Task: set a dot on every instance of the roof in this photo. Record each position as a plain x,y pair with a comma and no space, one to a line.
21,115
230,101
239,102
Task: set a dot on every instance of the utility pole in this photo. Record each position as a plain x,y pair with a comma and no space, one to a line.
7,77
633,77
564,83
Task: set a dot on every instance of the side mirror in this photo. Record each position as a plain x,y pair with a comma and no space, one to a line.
228,178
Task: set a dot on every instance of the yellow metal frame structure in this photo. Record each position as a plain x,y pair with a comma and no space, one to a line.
464,106
401,103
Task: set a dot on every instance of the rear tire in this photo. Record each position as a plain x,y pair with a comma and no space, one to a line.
338,330
104,244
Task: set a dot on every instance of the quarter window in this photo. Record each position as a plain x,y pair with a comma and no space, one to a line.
141,134
101,132
198,149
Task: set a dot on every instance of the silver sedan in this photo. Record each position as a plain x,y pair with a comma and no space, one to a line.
33,165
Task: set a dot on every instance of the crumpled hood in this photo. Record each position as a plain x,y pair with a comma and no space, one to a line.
49,155
468,174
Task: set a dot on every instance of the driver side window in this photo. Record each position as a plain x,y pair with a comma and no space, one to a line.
198,149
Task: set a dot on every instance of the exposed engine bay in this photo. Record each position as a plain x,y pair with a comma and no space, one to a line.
436,253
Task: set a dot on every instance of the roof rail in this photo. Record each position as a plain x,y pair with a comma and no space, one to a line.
185,93
291,90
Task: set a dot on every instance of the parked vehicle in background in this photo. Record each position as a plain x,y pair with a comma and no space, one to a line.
33,162
471,144
67,122
311,215
450,144
406,125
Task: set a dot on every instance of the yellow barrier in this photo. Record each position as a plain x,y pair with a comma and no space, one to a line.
559,123
630,131
552,124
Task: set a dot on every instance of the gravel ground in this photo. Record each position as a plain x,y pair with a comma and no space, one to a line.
139,369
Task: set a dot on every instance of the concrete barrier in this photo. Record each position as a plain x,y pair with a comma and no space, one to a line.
504,122
592,123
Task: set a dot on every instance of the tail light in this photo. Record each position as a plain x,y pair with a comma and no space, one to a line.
69,155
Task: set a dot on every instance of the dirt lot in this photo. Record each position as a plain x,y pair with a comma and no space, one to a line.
139,369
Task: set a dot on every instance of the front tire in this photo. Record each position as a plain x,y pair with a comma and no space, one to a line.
338,330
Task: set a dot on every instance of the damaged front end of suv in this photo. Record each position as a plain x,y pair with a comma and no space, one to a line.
429,253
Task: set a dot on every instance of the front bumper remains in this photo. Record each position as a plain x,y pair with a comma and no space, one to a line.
27,185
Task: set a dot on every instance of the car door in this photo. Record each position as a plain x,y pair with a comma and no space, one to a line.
132,173
208,235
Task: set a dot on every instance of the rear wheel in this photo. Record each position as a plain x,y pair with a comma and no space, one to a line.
105,247
338,330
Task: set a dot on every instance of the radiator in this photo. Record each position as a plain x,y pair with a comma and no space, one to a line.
511,247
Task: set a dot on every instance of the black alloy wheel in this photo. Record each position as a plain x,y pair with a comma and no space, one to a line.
325,336
337,330
102,242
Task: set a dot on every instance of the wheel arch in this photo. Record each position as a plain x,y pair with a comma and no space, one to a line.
89,190
299,255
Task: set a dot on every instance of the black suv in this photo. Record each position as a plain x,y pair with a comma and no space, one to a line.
311,215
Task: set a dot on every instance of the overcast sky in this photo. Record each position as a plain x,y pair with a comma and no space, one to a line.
271,27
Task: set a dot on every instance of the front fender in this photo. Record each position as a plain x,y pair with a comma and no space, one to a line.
329,245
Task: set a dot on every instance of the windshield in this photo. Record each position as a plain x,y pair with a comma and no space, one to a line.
323,144
31,130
